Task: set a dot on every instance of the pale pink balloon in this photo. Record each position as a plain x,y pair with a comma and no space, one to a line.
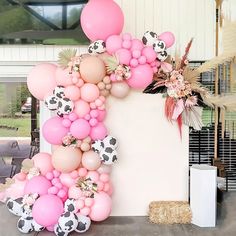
141,77
66,123
101,19
16,190
85,211
98,132
82,172
91,160
93,175
43,161
54,131
113,43
74,192
88,202
92,69
73,116
137,45
41,80
104,177
120,89
80,128
50,228
124,56
81,108
149,53
67,180
101,208
47,209
64,77
106,187
66,159
89,92
38,184
168,38
79,204
21,176
100,185
72,92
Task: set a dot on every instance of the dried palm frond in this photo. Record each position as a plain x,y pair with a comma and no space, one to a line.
189,75
26,165
65,56
8,183
185,56
177,61
112,63
170,104
192,117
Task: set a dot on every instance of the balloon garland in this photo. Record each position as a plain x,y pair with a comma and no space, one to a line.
66,190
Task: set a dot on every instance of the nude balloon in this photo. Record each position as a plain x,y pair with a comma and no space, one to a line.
120,89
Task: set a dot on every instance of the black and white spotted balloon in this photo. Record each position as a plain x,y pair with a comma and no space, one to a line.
110,141
15,206
51,103
108,155
149,38
65,106
97,47
84,223
68,221
69,205
161,56
59,92
159,46
24,225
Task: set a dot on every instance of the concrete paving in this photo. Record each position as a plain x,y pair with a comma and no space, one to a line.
139,226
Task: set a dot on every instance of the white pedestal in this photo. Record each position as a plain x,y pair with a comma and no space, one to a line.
203,195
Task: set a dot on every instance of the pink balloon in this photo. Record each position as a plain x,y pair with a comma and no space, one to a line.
101,19
67,180
72,92
82,172
81,108
134,62
85,211
89,92
16,190
98,132
64,77
94,175
137,45
113,43
168,38
43,161
101,115
101,208
141,77
149,53
50,228
38,184
80,129
41,80
66,123
47,210
54,131
21,176
72,116
124,56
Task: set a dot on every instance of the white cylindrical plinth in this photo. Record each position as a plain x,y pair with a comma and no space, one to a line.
203,195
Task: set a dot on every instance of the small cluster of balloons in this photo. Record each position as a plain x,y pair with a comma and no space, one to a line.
66,190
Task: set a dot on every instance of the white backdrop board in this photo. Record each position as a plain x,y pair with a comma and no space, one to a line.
153,160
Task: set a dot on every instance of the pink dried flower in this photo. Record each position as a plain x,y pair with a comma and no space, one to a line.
191,101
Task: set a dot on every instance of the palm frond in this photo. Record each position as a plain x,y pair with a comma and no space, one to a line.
111,63
192,117
65,56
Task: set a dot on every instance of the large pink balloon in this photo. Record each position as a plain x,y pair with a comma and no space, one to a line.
98,132
54,131
168,38
41,80
43,161
89,92
141,77
101,19
80,128
47,210
38,184
101,208
64,77
150,54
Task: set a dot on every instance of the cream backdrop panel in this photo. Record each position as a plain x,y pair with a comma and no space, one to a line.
153,160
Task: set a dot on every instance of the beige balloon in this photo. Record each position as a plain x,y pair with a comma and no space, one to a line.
91,160
92,69
119,89
66,159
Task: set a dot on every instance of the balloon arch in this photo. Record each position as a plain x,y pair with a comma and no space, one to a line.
66,190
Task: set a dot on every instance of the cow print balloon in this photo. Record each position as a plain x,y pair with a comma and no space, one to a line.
15,206
69,205
97,47
108,155
68,222
65,106
36,226
51,102
59,232
97,146
149,38
24,225
162,56
110,141
159,46
59,92
84,223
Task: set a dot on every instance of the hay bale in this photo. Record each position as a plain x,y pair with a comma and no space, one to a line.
170,212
